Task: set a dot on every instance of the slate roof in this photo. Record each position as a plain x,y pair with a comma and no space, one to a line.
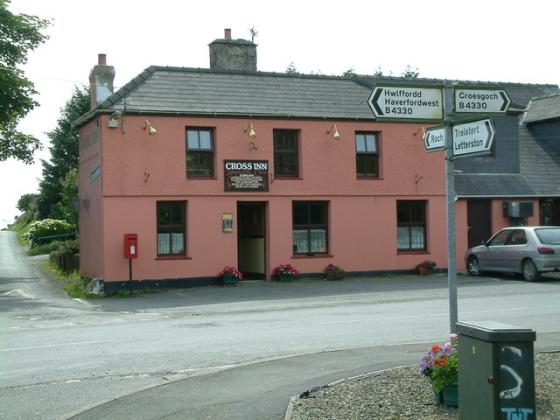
543,108
538,173
190,91
492,185
519,93
171,90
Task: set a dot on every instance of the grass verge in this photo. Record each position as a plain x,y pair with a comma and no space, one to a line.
74,283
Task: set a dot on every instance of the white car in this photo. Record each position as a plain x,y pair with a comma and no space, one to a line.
526,250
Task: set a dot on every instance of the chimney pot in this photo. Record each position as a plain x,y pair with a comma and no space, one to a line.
102,59
227,33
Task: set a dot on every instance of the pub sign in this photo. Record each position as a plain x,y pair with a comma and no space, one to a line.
246,175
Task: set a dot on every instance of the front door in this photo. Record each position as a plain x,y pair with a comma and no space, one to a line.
478,221
251,239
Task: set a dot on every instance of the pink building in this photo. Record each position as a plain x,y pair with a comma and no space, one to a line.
230,166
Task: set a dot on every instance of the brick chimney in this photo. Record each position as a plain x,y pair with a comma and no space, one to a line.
101,79
233,54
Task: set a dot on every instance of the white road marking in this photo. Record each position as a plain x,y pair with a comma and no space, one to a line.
423,316
18,292
47,346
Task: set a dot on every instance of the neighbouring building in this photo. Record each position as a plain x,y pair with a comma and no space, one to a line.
232,166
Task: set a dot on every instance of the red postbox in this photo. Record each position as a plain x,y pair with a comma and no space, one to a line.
131,245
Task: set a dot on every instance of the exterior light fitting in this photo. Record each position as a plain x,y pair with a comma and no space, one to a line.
333,131
250,131
151,130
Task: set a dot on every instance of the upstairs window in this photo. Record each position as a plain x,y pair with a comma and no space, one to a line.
411,225
367,156
286,154
200,152
171,228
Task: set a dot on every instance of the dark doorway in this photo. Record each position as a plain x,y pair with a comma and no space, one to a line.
251,239
549,212
479,221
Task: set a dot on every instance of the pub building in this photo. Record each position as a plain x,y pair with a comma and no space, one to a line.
230,166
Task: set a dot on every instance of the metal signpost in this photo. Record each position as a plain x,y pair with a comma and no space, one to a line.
458,139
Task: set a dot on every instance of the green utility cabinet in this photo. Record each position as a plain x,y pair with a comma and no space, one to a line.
496,371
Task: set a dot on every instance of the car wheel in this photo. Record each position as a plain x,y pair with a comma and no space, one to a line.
473,267
529,271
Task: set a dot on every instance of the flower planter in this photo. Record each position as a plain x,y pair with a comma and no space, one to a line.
229,280
285,278
448,396
424,271
334,275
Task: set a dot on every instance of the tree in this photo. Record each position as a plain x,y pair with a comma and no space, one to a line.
19,34
64,154
349,73
410,72
27,202
291,70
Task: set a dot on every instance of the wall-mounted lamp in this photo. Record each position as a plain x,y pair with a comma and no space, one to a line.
250,131
151,130
333,131
114,119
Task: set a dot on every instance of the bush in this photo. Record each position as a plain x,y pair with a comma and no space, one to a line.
65,248
48,229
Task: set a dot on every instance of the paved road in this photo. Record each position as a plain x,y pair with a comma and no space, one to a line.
227,353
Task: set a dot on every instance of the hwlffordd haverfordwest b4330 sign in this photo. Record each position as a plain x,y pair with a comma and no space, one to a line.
407,103
245,175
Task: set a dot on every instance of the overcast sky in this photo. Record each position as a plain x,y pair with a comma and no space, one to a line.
512,41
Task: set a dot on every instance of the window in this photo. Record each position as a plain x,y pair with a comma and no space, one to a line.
170,228
500,238
200,152
286,153
411,225
310,227
367,156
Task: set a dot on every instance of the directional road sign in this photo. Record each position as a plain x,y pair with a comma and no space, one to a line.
473,138
434,138
481,101
407,103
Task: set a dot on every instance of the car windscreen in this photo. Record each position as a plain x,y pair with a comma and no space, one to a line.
549,236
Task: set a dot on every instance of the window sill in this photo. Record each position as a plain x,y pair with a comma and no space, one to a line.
301,256
173,257
286,178
202,178
412,252
369,178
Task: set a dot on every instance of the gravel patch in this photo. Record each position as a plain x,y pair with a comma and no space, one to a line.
402,393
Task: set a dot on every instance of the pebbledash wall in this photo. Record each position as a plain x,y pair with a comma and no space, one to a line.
124,175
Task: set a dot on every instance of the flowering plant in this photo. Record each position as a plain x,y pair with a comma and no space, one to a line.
231,272
425,267
333,272
440,364
285,270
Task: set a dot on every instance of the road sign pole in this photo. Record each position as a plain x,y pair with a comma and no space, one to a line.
450,198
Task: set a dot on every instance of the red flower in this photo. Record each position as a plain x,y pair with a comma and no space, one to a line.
436,362
443,362
436,348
